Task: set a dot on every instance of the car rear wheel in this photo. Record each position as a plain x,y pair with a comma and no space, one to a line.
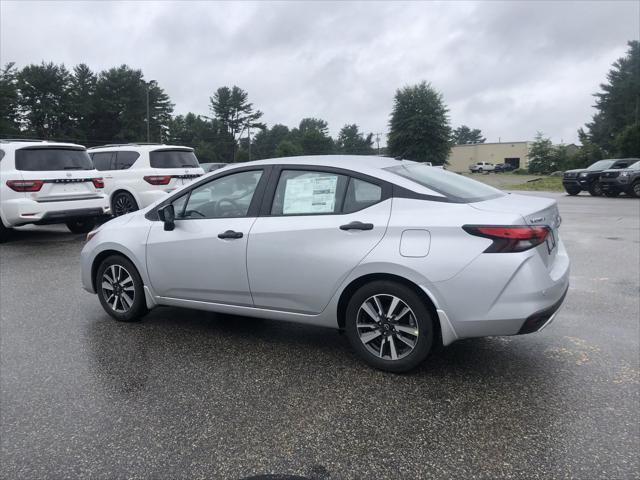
123,203
120,289
635,189
389,326
81,226
4,232
595,189
572,191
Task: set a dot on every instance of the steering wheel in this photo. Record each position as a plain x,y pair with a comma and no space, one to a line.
234,206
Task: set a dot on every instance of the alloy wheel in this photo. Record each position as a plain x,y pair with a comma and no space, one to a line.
118,288
122,205
387,327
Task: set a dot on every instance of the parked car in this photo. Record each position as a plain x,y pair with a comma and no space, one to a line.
480,167
138,174
47,182
575,181
314,240
210,167
625,180
503,167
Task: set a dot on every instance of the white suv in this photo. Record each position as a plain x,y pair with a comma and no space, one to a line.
138,174
48,182
480,167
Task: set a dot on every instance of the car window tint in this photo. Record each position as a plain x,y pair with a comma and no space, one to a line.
301,192
228,196
102,160
126,159
453,186
52,159
361,194
173,159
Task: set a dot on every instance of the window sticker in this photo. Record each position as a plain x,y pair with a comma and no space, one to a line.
310,195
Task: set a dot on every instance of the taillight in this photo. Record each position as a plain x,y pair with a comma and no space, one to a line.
158,179
98,182
25,185
517,238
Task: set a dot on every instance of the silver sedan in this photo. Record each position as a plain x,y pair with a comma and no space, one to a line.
400,255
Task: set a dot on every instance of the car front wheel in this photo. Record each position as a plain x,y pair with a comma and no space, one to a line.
572,190
120,289
81,226
595,189
635,189
389,326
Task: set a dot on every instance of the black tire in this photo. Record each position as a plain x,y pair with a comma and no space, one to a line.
635,189
408,356
124,308
612,193
572,190
81,226
123,203
5,232
480,170
595,189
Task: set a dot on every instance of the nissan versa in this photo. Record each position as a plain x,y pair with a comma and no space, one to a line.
400,255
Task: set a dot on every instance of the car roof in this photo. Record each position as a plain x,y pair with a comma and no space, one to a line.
366,164
141,147
360,163
17,144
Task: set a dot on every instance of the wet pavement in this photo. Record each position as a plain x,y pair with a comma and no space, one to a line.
187,394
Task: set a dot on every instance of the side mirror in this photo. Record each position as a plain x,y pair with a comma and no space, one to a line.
168,215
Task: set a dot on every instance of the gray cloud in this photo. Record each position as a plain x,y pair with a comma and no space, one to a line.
509,68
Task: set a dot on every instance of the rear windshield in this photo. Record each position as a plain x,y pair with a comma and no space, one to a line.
173,159
455,187
48,159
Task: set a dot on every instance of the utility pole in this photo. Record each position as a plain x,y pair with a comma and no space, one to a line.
378,141
148,137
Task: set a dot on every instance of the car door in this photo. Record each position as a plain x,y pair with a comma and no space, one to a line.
315,226
204,257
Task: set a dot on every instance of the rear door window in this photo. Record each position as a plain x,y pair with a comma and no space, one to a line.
52,159
102,160
124,160
303,192
173,159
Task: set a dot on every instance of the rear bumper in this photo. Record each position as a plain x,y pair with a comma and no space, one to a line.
497,294
541,319
24,211
147,197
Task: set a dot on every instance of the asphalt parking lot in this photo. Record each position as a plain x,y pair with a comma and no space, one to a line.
188,394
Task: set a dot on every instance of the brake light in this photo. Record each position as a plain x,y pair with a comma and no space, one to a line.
158,179
25,185
98,182
517,238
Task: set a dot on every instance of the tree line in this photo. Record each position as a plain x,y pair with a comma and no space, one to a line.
49,101
614,131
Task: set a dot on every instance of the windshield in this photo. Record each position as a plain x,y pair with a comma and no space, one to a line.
635,166
455,187
173,159
51,159
601,165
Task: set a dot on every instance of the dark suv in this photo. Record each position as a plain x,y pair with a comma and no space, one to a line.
574,181
627,180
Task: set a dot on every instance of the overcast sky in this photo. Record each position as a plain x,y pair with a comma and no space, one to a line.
508,68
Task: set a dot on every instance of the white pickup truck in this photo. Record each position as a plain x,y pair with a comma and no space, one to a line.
480,167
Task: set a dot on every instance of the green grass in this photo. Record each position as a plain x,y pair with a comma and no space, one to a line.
549,184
